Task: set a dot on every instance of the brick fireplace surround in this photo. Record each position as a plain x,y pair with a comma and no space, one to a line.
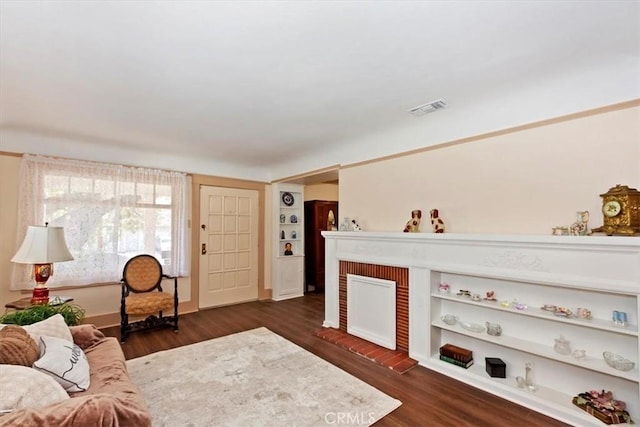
398,359
399,275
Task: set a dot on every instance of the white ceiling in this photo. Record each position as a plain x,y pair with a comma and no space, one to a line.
266,89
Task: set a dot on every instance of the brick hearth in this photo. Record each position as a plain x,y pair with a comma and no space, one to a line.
397,360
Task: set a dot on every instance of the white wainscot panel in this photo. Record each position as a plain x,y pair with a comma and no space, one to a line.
371,309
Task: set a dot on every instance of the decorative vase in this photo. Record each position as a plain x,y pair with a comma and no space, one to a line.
528,378
580,227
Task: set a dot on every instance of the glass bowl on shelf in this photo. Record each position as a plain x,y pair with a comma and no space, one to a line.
473,327
617,362
449,319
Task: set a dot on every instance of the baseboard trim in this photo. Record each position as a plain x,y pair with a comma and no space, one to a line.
113,319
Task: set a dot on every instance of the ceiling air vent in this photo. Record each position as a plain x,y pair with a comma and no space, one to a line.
429,107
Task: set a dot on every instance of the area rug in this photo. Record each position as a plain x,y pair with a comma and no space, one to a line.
253,378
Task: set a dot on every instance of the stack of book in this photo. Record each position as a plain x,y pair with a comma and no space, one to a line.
456,355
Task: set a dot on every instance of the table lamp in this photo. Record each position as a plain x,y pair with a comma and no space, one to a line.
42,246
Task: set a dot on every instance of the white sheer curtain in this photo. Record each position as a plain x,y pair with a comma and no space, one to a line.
109,214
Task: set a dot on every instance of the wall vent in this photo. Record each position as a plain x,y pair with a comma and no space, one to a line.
429,107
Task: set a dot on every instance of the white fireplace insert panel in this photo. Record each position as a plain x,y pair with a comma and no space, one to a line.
371,309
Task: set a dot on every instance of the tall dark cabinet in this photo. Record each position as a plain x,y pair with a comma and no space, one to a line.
316,220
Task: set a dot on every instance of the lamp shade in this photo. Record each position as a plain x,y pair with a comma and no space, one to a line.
43,245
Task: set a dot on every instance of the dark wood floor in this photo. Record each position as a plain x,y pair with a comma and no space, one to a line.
428,398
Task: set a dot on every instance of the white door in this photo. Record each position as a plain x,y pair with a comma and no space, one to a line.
228,246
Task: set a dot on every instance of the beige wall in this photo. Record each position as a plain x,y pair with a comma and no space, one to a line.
522,182
321,192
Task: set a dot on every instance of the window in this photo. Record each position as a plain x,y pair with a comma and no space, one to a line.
109,214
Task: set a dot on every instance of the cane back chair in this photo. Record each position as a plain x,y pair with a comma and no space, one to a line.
142,295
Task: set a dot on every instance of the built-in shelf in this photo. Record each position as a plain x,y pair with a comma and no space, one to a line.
288,270
605,325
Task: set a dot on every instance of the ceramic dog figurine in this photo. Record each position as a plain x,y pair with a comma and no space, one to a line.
436,222
413,225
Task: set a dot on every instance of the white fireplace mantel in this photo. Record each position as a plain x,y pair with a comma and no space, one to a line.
585,261
602,271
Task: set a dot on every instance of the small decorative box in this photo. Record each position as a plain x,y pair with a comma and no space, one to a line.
495,367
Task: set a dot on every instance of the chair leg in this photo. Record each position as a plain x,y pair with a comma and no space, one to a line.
124,326
175,317
175,304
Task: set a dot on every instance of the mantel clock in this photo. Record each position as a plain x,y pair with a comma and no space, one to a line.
621,210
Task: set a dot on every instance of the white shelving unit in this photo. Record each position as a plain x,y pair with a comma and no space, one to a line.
528,335
598,273
288,228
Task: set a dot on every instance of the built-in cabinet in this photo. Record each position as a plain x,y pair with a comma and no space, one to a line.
288,238
319,216
526,275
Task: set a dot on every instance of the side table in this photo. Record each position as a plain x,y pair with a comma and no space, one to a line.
22,303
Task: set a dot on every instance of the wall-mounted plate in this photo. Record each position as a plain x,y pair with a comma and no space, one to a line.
287,198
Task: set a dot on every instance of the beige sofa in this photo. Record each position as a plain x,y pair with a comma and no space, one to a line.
111,399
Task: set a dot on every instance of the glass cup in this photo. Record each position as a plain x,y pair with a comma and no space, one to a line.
579,354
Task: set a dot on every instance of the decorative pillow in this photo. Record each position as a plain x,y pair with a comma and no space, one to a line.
17,347
23,387
53,326
65,362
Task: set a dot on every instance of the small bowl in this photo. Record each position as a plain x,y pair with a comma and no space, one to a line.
473,327
449,319
618,362
563,312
